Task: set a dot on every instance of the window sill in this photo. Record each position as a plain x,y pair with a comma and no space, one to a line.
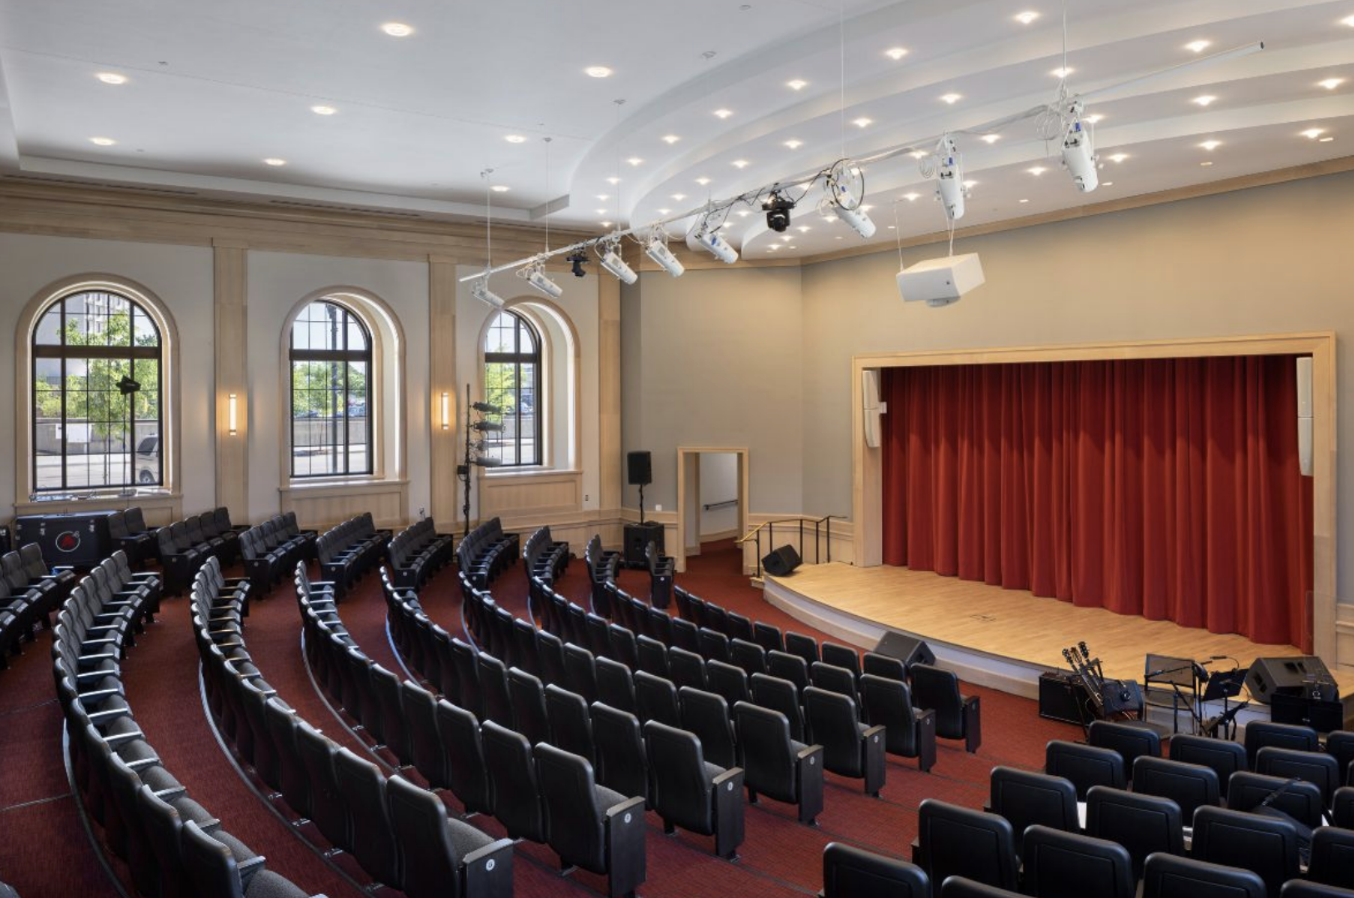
527,473
341,483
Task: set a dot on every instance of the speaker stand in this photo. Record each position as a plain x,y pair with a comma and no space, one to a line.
641,503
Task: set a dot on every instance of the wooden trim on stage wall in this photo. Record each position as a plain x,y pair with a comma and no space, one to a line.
867,478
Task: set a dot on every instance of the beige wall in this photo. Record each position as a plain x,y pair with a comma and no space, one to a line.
1268,260
715,361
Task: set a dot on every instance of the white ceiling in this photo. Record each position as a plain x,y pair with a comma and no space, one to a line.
214,88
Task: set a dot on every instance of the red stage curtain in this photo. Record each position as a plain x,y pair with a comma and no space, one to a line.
1165,488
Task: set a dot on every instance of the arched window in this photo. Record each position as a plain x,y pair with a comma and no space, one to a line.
97,394
512,381
330,392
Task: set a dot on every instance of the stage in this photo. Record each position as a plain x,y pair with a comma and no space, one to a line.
1002,638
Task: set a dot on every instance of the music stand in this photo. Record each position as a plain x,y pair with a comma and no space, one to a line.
1225,685
1175,673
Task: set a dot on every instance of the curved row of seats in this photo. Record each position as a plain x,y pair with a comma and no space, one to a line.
418,552
486,552
30,592
184,546
603,568
348,551
172,845
270,551
398,831
543,555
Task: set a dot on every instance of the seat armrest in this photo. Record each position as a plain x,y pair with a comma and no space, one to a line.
873,731
926,739
973,723
809,783
488,870
625,829
728,811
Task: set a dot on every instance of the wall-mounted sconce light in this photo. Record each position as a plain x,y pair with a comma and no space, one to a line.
231,419
446,410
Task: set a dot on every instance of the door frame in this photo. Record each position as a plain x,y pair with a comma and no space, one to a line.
678,551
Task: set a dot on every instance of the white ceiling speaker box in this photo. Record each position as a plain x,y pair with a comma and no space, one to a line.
940,282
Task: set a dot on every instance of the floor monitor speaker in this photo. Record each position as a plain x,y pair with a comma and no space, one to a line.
907,649
781,561
639,467
637,539
1269,675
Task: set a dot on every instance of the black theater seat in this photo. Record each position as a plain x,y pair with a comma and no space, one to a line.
690,793
851,872
776,765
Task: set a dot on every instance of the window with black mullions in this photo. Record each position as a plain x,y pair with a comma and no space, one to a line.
331,414
512,381
97,400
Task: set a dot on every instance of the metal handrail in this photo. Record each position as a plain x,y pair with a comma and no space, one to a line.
770,527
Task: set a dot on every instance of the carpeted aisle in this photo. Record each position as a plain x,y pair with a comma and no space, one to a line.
44,852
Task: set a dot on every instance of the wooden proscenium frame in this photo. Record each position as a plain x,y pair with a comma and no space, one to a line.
867,476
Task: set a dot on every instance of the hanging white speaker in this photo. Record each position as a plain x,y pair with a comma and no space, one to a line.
873,408
1305,414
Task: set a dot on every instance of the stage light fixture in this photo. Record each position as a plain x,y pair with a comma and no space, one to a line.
535,276
777,208
480,290
1079,153
127,386
612,262
657,249
704,238
950,178
844,182
579,259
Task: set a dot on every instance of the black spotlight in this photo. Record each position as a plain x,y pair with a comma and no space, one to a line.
578,258
778,212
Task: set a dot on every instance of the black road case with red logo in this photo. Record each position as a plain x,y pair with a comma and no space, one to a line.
79,539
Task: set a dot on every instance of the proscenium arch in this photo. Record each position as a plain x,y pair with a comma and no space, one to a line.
389,416
23,371
536,310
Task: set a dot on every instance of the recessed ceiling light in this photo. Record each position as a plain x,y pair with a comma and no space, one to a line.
918,154
670,139
1026,17
604,196
702,181
1024,201
601,212
797,84
397,29
970,184
951,98
1118,157
862,122
794,144
1037,170
803,229
866,207
1062,72
274,161
111,78
774,246
606,224
1205,100
635,161
1211,145
679,196
102,141
664,211
1310,133
895,53
743,213
1198,46
893,227
1330,83
1325,139
597,71
1109,183
1095,119
500,188
912,197
740,163
613,181
829,218
723,113
323,110
1206,163
514,138
990,139
1349,20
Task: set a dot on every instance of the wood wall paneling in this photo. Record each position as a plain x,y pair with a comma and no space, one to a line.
230,302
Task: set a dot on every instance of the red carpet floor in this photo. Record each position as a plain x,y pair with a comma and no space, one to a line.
44,851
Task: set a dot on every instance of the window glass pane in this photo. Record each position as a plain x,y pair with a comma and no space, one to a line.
357,337
144,332
48,332
331,367
511,375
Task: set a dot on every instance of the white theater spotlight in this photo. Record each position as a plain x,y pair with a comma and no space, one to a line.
535,276
480,290
703,238
657,249
612,262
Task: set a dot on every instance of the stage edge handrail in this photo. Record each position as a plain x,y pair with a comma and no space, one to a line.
822,524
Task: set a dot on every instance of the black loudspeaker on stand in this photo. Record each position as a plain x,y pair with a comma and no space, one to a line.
908,649
781,561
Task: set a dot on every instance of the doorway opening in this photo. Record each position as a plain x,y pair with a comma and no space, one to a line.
712,507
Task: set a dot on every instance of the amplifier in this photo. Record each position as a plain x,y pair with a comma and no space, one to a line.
1061,697
79,539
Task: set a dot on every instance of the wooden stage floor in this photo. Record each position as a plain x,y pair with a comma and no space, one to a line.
1005,625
